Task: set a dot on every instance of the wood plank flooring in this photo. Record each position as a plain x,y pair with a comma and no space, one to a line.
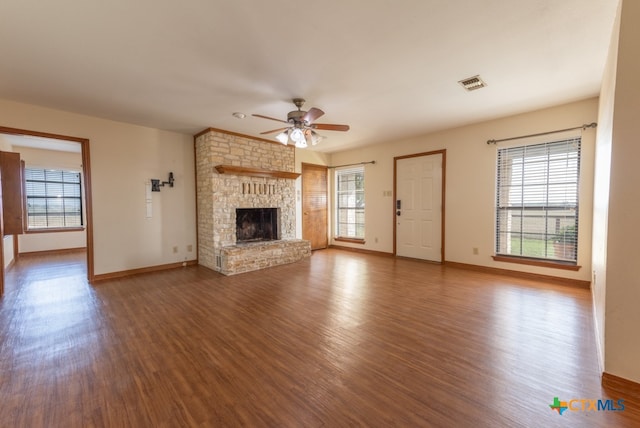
341,339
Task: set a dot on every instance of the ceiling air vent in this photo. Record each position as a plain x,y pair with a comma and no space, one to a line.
472,83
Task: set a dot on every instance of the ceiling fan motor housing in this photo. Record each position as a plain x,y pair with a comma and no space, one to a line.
296,116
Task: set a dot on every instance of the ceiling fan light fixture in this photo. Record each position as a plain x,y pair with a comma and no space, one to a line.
313,137
297,136
283,137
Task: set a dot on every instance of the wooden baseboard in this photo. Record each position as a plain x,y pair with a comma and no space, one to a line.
54,252
10,265
361,250
528,275
617,383
123,273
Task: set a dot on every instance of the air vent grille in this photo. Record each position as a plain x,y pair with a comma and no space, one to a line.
472,83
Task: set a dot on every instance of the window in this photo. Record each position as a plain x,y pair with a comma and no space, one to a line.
350,203
54,199
537,201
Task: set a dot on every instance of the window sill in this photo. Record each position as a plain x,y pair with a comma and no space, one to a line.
351,240
55,230
540,263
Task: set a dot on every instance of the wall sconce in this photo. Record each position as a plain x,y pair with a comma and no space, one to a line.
155,183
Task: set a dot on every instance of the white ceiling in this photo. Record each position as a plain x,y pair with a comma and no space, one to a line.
387,68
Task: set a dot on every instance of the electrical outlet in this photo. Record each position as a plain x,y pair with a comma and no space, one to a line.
175,249
189,248
475,251
376,239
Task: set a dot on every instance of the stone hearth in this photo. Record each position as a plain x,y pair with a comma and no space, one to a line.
259,255
241,185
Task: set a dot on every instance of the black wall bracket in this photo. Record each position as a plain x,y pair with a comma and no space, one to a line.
155,183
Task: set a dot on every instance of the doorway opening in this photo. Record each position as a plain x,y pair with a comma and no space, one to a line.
54,155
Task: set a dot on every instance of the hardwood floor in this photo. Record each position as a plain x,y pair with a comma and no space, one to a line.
342,339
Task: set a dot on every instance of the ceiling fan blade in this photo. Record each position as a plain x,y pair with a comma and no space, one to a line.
274,130
330,127
312,115
270,118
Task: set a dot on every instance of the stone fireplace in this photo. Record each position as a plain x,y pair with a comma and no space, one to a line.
235,174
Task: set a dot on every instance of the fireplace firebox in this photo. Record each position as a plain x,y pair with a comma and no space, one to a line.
257,224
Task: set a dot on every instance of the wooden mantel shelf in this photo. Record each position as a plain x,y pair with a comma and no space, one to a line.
255,172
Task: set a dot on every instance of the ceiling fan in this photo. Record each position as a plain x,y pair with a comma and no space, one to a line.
301,129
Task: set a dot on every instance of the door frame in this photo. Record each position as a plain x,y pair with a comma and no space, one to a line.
86,172
326,169
442,152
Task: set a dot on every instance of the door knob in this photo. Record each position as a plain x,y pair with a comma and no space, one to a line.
398,213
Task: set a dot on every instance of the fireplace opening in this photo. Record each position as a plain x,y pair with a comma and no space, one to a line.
256,224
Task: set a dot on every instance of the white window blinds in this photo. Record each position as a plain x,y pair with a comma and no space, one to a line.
537,200
350,202
54,198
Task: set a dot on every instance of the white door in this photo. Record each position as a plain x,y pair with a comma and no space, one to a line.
419,207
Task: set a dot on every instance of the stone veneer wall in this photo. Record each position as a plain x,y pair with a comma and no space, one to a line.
218,195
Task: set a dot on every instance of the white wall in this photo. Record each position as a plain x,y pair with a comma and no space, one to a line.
7,243
601,190
5,145
123,158
622,341
470,184
69,161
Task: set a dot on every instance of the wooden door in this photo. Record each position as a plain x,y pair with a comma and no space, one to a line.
314,205
419,207
13,201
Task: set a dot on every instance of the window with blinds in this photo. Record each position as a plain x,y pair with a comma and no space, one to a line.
350,203
537,201
54,199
